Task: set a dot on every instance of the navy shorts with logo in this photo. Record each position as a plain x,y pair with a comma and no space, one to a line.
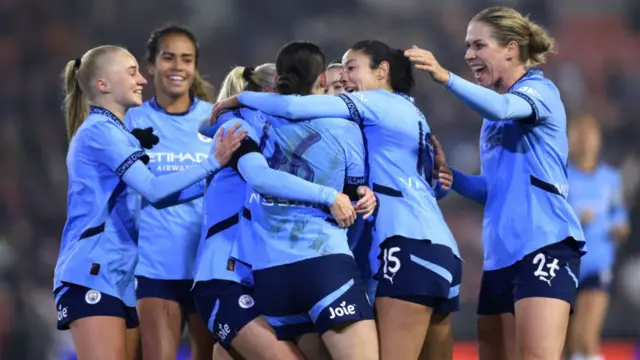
601,280
313,295
74,302
420,272
174,290
549,272
226,307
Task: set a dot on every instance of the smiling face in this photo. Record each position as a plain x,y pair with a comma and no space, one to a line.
121,79
357,74
334,86
174,67
488,60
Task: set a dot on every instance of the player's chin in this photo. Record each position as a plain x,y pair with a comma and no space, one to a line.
135,99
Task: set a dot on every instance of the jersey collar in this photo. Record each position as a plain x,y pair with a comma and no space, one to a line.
97,110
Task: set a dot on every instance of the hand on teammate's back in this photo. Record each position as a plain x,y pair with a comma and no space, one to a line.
227,144
228,103
342,211
367,203
440,166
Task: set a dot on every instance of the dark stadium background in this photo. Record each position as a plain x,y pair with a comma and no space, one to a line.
596,69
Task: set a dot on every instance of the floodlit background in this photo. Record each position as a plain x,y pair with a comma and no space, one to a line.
596,69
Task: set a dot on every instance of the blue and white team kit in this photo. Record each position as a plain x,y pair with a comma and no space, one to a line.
168,236
411,240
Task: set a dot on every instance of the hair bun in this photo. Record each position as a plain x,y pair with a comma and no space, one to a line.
247,72
287,83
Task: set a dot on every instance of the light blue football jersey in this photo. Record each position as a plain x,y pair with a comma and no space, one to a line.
168,239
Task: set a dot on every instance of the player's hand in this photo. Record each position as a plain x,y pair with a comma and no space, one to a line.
146,137
425,61
228,103
445,177
342,211
586,217
227,144
438,154
367,203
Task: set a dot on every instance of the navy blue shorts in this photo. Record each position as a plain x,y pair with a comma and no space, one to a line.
602,280
174,290
420,272
549,272
74,302
313,295
226,307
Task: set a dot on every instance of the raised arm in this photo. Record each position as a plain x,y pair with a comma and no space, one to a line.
488,103
296,107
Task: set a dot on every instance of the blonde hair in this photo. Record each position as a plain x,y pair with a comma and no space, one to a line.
509,25
78,75
259,79
202,89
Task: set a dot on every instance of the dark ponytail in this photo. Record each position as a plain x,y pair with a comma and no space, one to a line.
299,64
400,68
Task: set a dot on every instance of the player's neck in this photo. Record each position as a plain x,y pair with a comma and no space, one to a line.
174,105
507,81
116,109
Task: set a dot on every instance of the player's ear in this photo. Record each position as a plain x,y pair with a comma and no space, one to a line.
323,79
151,70
383,70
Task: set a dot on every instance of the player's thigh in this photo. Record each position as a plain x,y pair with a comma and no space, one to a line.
160,309
495,322
312,347
591,310
98,321
416,277
219,353
133,343
355,340
439,342
100,338
257,340
201,338
545,291
338,305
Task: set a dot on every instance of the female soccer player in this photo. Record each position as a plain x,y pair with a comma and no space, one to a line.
168,237
421,267
223,280
334,73
532,238
93,279
596,196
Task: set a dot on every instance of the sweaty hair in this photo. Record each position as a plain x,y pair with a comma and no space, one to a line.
200,88
299,64
400,68
242,78
509,25
77,77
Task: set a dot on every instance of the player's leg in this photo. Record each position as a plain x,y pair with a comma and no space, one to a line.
229,310
415,277
97,322
495,323
219,353
201,339
312,347
439,342
133,333
545,289
133,343
161,318
338,306
590,310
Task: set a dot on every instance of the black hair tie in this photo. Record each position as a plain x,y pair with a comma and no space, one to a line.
76,64
246,74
